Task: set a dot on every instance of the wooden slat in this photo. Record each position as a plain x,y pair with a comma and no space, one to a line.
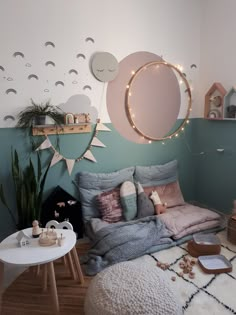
64,129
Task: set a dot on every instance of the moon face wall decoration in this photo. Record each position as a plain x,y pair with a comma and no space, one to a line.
104,66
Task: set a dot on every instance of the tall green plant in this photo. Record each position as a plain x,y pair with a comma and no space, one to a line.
29,185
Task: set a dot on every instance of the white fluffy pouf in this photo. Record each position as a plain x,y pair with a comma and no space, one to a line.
131,288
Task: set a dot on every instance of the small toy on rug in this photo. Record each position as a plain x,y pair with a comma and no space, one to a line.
165,266
35,229
159,206
187,266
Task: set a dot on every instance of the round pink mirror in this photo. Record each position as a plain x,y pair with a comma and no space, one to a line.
145,98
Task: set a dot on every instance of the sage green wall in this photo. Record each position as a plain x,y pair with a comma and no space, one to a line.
119,153
215,173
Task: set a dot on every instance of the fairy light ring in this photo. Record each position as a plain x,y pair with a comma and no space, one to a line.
128,107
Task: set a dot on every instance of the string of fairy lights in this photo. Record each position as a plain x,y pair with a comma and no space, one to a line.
128,102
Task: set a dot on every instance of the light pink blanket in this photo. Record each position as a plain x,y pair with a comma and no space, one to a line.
189,219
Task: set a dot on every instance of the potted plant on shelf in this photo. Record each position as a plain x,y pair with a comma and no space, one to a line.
28,185
35,114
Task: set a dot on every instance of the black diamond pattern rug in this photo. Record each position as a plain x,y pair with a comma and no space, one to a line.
213,294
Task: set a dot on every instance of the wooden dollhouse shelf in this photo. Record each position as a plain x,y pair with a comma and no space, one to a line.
63,129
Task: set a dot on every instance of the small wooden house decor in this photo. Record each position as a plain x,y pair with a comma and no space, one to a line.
23,239
214,102
230,104
82,118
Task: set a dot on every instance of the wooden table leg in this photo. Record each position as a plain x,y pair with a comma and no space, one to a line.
45,277
77,265
71,266
1,283
53,287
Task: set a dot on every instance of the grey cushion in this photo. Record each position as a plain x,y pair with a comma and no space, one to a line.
145,206
92,184
155,175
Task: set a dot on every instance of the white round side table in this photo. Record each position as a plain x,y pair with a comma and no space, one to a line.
34,254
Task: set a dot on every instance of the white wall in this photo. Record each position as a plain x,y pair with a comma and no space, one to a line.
218,46
170,28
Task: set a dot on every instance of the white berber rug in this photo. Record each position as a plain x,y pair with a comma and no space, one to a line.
213,294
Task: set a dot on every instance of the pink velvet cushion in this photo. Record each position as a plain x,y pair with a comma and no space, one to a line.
109,205
169,193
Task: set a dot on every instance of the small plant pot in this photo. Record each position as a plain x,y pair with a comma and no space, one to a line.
40,120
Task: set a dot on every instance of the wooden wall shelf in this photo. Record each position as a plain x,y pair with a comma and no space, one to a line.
64,129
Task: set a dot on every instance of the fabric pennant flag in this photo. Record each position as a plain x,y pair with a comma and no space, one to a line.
97,143
56,158
101,127
89,156
44,145
70,164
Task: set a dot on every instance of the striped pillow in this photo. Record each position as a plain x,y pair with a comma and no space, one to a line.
109,205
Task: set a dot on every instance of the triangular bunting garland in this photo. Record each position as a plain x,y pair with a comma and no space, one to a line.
101,127
56,158
89,156
70,164
44,145
97,143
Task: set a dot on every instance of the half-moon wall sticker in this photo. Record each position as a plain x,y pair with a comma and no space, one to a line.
49,44
82,56
73,71
87,87
9,117
33,76
193,66
1,68
50,63
18,53
89,39
8,91
9,79
59,83
104,66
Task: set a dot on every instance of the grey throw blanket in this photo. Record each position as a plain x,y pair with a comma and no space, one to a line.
124,241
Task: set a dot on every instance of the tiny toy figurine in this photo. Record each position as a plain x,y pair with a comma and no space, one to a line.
60,240
159,206
69,119
36,230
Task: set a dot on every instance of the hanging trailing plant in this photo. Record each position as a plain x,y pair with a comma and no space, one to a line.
35,114
28,185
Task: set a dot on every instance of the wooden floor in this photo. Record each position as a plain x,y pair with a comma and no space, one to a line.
26,297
